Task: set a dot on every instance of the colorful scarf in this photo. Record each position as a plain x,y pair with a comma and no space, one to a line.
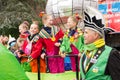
90,51
95,45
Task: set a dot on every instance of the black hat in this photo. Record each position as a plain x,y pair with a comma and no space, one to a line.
94,20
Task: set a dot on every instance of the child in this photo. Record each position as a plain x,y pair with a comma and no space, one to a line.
32,46
23,29
72,41
50,40
13,47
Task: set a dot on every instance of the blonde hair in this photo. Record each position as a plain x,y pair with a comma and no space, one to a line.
45,17
20,40
75,18
36,23
25,25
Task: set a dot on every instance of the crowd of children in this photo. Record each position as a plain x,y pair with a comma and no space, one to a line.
49,41
51,45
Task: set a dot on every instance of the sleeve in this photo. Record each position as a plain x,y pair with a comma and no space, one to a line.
43,50
60,41
59,35
24,45
113,66
65,46
36,51
81,43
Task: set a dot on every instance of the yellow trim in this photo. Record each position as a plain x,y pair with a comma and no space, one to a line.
99,43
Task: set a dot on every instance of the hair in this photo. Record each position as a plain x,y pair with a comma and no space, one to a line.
25,25
45,17
97,32
19,40
36,23
75,18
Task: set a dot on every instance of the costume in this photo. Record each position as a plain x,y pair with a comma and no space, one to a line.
10,68
72,44
32,46
49,36
101,64
98,61
92,63
25,34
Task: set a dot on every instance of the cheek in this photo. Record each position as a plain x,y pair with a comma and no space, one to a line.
31,31
35,31
70,25
24,30
88,38
51,22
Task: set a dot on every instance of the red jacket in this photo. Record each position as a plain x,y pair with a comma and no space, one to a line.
47,43
36,47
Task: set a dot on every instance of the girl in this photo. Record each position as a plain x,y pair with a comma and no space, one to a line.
32,46
23,29
72,40
50,40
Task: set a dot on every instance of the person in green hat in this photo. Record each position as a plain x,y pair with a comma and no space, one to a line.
98,61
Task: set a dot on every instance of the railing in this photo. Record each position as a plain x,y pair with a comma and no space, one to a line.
56,56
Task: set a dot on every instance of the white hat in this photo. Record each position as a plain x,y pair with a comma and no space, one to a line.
94,20
11,42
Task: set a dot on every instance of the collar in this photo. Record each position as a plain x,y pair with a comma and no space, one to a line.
30,37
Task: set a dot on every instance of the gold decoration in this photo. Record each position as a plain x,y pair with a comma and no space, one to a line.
53,39
95,70
79,31
71,39
99,51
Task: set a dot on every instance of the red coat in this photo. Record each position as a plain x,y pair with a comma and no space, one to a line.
47,43
36,47
35,52
56,65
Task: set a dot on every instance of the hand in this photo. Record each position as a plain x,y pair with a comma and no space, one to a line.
62,54
76,35
29,59
18,53
43,55
79,55
57,44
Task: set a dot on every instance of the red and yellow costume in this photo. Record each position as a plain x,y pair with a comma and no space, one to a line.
35,49
49,36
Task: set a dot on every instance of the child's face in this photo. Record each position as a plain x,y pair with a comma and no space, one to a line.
5,40
49,21
22,29
34,29
70,23
20,43
76,35
15,47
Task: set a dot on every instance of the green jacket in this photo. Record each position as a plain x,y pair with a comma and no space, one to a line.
65,46
96,71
